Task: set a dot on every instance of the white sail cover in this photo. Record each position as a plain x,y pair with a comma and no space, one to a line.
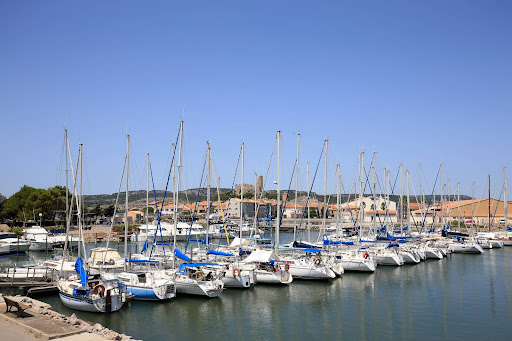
261,256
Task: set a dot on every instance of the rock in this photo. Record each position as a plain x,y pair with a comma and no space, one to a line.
98,327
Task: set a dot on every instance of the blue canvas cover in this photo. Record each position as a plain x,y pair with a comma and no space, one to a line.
181,255
80,270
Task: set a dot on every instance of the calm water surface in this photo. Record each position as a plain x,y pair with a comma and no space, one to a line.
459,298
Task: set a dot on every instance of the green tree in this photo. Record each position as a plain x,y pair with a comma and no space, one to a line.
313,212
224,196
97,210
271,195
35,200
109,211
2,199
248,195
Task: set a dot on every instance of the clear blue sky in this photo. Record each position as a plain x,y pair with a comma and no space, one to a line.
417,81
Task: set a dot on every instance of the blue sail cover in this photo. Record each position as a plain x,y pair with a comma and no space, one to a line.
80,270
181,255
218,253
329,242
202,241
145,247
509,228
311,250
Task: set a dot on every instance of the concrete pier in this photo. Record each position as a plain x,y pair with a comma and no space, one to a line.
41,323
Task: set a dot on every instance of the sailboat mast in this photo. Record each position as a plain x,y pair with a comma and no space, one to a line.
147,198
401,199
309,215
64,252
175,214
255,203
361,204
296,188
441,202
242,196
458,204
80,232
505,202
489,216
126,199
408,203
421,189
178,185
385,196
374,185
67,184
388,202
326,207
208,186
278,222
472,205
338,199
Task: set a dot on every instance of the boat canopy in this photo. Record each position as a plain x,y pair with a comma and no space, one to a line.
260,256
181,255
184,266
98,254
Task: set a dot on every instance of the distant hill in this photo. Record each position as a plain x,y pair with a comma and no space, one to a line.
190,195
135,197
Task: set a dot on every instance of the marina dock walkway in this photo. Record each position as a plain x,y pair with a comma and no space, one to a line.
34,326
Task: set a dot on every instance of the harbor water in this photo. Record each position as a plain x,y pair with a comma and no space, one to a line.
462,297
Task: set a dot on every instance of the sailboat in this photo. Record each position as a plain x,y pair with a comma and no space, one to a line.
233,276
462,244
190,277
89,292
265,263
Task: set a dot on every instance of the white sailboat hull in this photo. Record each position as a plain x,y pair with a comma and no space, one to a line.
359,265
410,257
279,277
433,253
318,272
389,259
466,248
197,288
94,306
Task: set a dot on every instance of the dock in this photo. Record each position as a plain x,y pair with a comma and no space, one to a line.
40,322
